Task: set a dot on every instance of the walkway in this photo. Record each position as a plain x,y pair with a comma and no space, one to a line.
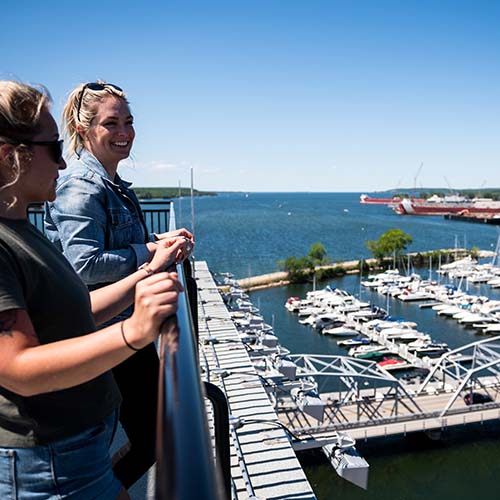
263,463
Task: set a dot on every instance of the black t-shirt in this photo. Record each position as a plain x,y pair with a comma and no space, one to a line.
35,276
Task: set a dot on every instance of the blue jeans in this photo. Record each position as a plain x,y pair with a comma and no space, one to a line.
76,468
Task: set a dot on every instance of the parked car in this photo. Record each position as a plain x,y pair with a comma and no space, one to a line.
475,398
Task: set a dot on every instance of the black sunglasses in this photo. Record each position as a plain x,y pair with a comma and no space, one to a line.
93,86
55,148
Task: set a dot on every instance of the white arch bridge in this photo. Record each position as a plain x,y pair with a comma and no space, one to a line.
367,401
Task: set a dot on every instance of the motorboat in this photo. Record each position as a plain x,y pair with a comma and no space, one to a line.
339,331
365,348
375,355
450,311
388,325
292,304
391,363
357,341
408,296
410,337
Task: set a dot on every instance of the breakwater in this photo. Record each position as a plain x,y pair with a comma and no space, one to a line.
280,278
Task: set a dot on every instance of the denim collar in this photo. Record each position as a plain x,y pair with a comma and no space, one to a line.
92,163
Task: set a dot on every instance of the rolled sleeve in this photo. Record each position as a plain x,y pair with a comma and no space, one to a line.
141,253
80,217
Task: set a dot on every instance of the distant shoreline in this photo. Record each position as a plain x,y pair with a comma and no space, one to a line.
150,193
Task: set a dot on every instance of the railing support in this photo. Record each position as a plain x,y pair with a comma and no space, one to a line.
221,424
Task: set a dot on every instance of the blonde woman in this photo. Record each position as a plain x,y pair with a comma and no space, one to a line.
58,399
97,223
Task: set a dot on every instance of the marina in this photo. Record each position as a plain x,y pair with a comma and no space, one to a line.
446,395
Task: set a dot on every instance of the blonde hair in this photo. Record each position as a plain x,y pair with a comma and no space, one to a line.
81,108
21,106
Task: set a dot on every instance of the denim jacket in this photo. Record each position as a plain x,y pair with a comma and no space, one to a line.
97,222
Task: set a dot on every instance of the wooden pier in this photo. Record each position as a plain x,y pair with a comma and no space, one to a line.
263,463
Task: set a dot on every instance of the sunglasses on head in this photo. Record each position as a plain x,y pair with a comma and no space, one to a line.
55,148
93,86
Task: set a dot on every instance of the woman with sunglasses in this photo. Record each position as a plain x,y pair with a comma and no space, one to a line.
98,224
58,398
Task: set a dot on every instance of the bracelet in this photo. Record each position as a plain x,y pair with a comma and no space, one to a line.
130,346
146,267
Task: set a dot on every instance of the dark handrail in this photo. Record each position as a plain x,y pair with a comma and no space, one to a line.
185,465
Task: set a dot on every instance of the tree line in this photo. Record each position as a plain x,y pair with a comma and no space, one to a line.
386,250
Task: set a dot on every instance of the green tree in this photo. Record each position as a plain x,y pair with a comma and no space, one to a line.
317,253
299,270
392,242
474,252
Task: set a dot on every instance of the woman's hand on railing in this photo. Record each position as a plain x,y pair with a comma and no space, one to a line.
156,298
169,251
177,232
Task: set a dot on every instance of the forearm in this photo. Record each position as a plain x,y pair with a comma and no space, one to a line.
95,265
109,301
67,363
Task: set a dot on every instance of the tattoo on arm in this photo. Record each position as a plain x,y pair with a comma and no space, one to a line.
7,321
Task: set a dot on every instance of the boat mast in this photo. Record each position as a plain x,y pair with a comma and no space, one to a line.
496,257
180,204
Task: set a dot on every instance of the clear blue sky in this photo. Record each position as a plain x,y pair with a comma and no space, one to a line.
281,95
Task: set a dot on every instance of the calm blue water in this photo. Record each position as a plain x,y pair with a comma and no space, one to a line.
246,235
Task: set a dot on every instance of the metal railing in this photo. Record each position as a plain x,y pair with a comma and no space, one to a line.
185,466
157,219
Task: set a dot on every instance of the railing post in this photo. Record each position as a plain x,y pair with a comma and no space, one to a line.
221,425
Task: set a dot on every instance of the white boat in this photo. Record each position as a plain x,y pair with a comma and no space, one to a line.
292,304
308,310
493,328
494,283
339,331
363,349
472,318
354,342
479,277
411,336
450,311
414,296
391,326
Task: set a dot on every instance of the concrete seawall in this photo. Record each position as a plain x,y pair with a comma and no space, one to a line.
280,278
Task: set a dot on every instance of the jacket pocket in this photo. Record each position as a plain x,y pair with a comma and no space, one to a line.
120,218
120,228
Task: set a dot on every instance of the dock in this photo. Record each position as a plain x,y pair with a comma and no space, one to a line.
263,462
386,423
477,218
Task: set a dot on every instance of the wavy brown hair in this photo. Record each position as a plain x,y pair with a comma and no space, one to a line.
20,108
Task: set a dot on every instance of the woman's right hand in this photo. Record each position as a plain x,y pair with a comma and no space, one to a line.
166,252
156,299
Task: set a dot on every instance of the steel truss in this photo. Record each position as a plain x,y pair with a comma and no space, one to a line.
484,371
386,392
